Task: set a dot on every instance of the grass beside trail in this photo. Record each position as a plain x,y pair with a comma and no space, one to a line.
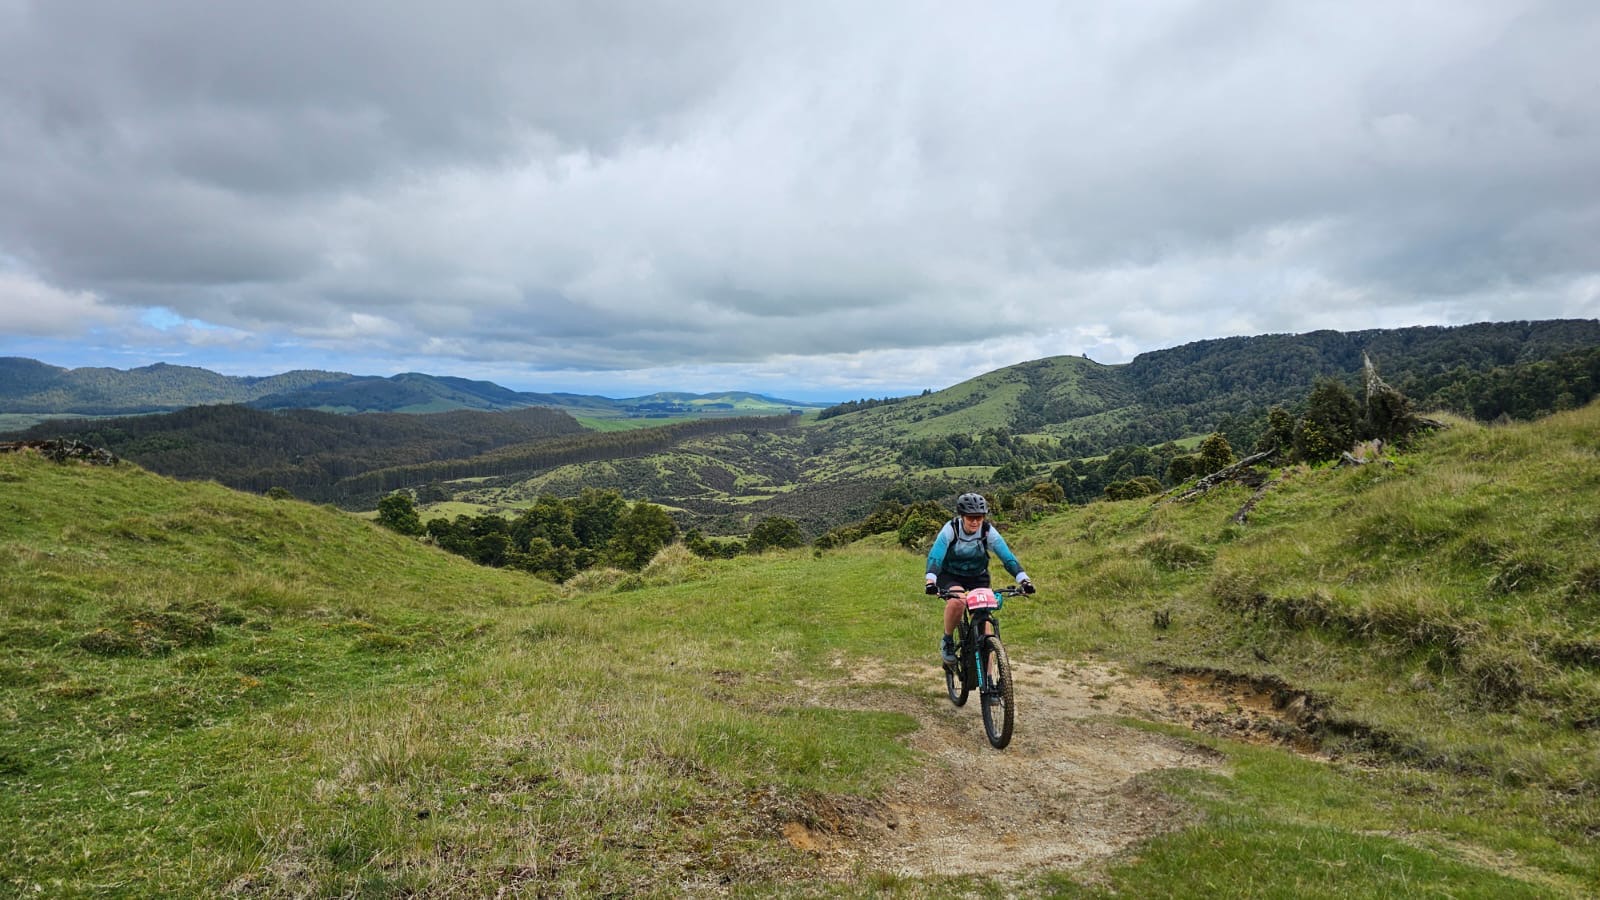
204,692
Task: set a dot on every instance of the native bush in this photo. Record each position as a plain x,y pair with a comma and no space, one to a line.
396,512
775,532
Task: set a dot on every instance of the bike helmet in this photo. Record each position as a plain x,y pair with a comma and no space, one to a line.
972,505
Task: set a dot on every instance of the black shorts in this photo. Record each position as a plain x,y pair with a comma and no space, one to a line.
966,581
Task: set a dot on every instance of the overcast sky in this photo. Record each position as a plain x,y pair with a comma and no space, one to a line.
811,199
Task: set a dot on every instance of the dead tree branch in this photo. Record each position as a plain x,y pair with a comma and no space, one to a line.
1225,474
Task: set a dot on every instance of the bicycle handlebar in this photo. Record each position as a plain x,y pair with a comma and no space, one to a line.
1016,591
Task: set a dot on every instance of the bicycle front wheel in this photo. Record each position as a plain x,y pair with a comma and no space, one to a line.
999,697
954,684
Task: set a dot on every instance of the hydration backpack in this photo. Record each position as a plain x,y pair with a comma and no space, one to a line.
983,533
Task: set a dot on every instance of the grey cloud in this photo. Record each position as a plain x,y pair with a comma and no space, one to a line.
635,185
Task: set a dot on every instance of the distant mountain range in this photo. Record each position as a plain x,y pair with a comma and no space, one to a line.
28,386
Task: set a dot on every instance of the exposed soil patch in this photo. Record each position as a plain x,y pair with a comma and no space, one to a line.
1066,793
1251,709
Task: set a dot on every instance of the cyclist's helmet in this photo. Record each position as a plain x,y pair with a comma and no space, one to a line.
972,505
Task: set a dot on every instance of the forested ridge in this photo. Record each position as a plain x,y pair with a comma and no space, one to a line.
28,385
355,459
408,391
303,451
1194,388
31,387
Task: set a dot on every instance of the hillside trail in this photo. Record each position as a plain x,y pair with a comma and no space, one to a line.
1066,794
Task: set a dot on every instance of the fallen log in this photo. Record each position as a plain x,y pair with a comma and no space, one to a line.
63,449
1224,474
1243,515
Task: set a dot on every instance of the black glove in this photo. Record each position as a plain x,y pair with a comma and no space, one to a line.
930,588
1027,587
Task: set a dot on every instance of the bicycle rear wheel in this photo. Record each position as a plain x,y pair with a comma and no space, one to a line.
998,697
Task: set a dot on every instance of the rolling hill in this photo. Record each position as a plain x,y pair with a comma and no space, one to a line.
31,387
834,468
1190,389
1383,683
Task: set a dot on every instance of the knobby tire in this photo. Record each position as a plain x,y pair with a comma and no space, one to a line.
954,684
998,698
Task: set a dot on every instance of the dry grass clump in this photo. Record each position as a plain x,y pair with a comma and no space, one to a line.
1174,554
602,579
675,564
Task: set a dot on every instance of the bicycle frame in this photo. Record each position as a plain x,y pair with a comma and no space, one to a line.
974,625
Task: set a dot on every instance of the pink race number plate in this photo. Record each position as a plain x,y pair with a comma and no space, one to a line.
982,598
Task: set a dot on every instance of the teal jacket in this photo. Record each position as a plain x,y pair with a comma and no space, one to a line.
957,553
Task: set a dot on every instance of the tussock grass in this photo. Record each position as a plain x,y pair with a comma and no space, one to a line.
1171,553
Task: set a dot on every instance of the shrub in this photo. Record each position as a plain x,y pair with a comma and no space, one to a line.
705,548
639,534
775,531
1332,423
397,513
1215,455
921,523
1279,433
1133,488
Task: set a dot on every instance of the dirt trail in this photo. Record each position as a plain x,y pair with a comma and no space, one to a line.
1065,794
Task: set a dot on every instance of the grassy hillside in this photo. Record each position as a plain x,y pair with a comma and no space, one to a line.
1071,386
208,693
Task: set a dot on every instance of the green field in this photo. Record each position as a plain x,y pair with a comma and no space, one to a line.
626,423
207,693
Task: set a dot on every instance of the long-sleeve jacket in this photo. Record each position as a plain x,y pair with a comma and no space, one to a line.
957,553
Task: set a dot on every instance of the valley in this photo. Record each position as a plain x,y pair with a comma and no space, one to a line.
1382,683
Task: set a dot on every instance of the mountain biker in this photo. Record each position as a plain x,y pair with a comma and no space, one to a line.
959,559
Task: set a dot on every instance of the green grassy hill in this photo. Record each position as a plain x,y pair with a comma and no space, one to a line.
1061,387
1384,683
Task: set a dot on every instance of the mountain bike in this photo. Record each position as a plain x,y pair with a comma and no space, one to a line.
982,664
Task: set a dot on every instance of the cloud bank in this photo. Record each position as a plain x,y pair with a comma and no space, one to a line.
834,197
